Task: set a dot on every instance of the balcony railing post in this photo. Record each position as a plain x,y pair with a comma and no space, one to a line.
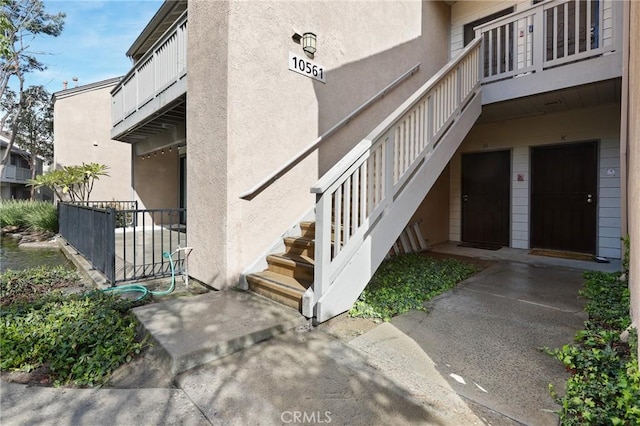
539,31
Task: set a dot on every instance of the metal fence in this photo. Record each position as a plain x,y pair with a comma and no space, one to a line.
125,244
90,230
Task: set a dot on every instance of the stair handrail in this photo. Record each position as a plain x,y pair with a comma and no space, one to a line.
353,196
343,165
282,170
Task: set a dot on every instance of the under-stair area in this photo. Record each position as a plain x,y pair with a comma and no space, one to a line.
365,202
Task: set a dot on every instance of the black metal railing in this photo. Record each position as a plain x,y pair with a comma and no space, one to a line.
122,219
90,230
125,244
140,247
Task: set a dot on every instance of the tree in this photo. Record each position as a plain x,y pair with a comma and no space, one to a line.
5,30
25,20
72,182
34,127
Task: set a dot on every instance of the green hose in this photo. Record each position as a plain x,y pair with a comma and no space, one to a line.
139,288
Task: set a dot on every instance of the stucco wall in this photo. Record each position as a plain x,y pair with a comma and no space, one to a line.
81,133
272,113
634,162
156,180
598,123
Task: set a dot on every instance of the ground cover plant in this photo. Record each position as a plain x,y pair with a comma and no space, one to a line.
38,216
405,282
604,386
79,338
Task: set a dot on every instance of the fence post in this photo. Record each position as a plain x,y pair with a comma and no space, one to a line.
110,246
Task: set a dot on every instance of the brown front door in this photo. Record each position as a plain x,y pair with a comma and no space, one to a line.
564,185
485,197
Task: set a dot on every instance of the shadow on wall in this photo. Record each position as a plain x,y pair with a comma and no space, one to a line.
351,85
157,179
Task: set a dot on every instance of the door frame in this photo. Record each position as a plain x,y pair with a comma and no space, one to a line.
596,197
508,150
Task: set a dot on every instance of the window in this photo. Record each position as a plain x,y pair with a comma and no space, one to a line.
469,33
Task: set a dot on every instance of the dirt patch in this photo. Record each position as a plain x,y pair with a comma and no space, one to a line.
37,377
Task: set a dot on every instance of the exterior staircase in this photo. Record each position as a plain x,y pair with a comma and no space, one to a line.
365,201
289,274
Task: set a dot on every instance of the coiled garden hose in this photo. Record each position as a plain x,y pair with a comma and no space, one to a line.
139,288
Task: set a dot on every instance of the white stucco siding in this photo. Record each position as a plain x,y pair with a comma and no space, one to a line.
609,214
520,197
597,123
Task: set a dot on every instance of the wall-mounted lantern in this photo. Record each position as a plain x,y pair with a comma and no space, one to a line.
309,43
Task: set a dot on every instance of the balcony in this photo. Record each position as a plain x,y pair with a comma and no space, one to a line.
151,97
551,46
15,174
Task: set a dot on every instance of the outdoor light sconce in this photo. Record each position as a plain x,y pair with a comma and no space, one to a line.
309,43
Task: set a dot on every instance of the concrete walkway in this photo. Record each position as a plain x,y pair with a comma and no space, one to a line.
473,359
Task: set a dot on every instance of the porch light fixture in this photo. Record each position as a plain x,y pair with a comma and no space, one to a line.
309,43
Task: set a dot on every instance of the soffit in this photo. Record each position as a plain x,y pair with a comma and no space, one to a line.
588,95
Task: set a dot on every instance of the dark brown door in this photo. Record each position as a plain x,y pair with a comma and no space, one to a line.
485,197
563,197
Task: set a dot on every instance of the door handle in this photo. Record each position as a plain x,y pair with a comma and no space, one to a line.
589,198
465,198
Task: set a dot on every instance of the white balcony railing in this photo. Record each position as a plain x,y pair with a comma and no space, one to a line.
15,173
160,68
550,34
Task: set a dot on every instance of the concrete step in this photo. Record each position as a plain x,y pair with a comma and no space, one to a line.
282,289
194,330
291,265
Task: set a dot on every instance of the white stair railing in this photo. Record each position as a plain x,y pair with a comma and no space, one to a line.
356,198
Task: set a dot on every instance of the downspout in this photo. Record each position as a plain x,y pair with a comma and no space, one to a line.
624,124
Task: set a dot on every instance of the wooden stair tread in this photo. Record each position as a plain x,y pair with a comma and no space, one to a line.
280,282
292,259
299,241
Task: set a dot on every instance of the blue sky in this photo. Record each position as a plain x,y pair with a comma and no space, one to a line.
93,43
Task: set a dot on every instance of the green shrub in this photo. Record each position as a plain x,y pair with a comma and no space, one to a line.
12,213
405,282
604,387
35,215
29,284
80,338
42,216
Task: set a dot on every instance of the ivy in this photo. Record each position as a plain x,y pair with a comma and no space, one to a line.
80,338
405,282
604,387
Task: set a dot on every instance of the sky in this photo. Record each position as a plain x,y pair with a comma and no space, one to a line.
93,43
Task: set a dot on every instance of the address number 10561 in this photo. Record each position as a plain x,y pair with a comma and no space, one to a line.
308,68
